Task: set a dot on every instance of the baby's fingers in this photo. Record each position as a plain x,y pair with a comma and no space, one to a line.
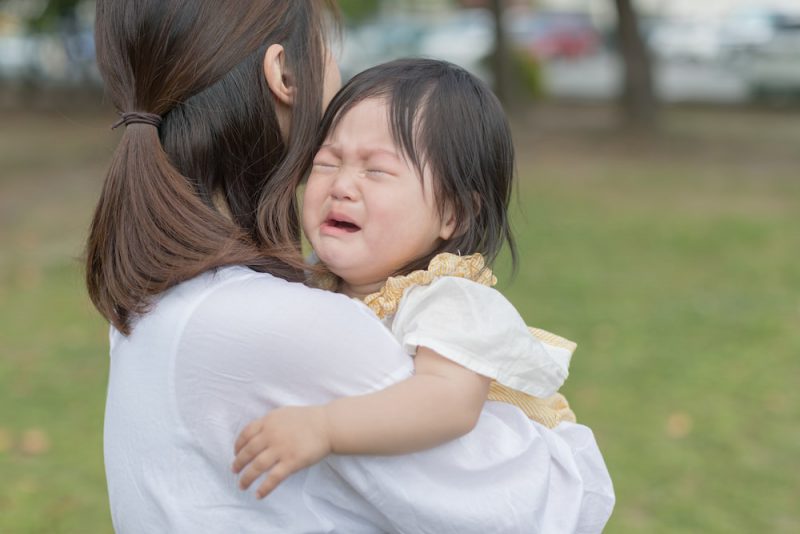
278,474
249,452
260,465
247,434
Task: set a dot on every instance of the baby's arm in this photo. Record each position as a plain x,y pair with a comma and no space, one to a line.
441,402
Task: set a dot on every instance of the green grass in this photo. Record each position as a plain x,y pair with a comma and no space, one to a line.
53,364
674,262
677,272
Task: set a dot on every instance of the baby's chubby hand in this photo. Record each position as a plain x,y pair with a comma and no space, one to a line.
282,442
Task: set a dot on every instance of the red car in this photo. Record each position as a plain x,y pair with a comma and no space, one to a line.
555,35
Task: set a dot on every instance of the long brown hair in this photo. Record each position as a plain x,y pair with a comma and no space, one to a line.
199,65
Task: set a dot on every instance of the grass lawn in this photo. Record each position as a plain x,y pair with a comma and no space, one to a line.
673,260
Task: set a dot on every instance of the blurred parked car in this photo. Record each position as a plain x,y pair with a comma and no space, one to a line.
696,40
20,57
746,28
465,37
553,35
772,66
48,58
380,40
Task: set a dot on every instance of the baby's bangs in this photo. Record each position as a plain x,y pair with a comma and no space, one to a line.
408,119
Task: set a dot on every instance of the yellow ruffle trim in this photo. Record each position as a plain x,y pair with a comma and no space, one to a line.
385,302
550,411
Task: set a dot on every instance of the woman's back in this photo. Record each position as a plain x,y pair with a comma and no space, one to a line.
159,478
170,425
219,350
183,384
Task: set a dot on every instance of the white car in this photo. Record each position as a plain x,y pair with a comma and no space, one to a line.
772,66
686,40
465,38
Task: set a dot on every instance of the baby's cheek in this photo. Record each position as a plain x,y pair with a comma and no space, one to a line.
308,216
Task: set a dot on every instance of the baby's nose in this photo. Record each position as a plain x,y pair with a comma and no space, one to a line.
344,187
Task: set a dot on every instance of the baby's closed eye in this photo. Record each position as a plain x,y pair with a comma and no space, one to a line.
323,164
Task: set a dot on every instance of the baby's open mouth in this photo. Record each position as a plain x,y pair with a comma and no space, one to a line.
343,225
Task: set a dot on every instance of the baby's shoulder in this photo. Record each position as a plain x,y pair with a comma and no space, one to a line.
455,294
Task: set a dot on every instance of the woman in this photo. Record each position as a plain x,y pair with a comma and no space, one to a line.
193,257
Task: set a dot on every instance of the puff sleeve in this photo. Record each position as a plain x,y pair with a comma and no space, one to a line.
478,328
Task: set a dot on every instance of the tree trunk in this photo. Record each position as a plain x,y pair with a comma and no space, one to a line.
501,61
638,96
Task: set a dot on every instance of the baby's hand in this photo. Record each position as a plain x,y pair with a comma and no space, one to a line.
282,442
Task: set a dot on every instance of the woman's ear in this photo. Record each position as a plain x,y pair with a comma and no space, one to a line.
278,77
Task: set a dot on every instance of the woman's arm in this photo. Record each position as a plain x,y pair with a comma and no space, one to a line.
441,402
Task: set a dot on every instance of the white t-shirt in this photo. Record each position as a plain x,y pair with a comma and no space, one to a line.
222,349
478,328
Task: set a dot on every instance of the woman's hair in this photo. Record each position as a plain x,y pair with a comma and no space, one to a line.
448,122
214,184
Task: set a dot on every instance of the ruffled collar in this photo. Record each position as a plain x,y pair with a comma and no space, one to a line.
385,301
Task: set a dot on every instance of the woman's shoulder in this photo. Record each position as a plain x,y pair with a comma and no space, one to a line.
250,284
248,324
241,295
238,281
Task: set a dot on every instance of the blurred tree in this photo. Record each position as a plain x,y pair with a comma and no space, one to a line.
353,10
359,10
55,12
65,23
638,96
501,59
51,14
517,74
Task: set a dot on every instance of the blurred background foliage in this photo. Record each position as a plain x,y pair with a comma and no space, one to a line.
665,244
356,11
52,13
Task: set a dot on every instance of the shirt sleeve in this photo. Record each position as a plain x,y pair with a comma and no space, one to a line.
478,328
256,345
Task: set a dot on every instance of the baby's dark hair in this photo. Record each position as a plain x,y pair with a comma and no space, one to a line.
445,119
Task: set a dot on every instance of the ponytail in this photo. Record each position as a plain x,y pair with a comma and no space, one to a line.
202,177
151,231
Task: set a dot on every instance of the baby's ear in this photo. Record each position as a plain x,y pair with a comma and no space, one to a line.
449,222
476,203
450,218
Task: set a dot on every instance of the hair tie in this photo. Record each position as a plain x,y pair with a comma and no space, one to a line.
137,117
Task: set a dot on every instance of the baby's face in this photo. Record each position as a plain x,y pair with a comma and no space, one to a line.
366,211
